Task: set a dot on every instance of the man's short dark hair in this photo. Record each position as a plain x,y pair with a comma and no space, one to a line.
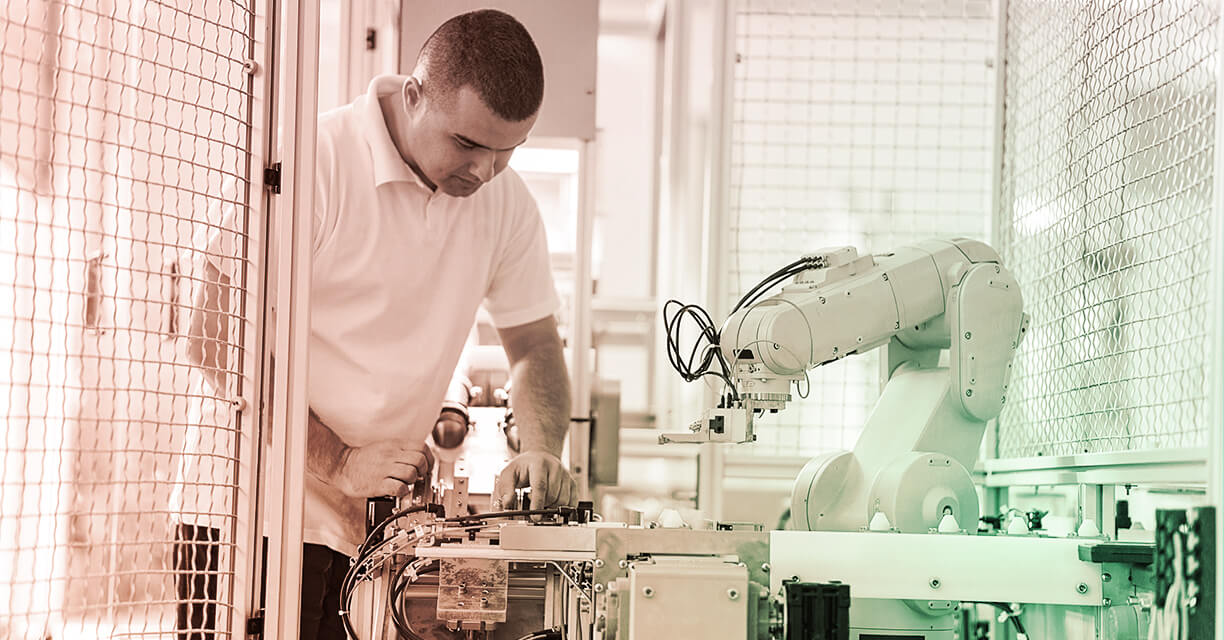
490,52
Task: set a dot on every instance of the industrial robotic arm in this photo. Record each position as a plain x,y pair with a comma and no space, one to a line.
916,301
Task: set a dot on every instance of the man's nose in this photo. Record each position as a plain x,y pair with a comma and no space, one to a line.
483,167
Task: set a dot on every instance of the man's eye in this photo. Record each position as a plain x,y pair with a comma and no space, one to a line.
464,145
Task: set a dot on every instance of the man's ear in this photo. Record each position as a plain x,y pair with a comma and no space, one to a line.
414,94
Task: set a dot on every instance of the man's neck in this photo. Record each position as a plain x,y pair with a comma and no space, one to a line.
393,115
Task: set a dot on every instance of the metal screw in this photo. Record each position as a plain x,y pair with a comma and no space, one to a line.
765,567
733,594
250,66
459,604
822,300
968,393
1105,577
1082,588
484,602
968,335
599,563
622,563
648,592
599,587
935,583
1106,601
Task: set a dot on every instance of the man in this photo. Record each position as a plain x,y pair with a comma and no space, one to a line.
416,224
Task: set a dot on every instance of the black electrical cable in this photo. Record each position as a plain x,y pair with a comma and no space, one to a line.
386,521
363,553
707,346
398,585
1012,615
349,583
542,634
552,511
768,282
707,332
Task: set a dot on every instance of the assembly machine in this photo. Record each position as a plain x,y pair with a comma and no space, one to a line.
884,540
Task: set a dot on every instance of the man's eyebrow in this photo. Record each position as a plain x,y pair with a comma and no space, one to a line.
472,143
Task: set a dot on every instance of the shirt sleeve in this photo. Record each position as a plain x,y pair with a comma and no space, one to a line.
225,239
521,289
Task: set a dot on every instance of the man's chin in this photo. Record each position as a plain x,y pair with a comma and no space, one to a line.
460,189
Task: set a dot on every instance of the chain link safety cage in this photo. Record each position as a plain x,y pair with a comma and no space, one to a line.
855,123
1106,208
124,191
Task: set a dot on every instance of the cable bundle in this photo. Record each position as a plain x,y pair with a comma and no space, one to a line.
368,557
705,351
705,347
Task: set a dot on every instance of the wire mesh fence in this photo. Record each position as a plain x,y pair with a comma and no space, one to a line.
124,200
1106,220
854,123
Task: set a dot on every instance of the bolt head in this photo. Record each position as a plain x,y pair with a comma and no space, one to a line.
733,594
935,583
622,564
766,567
599,587
599,563
1082,588
648,592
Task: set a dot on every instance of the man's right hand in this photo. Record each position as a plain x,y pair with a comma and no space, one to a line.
386,468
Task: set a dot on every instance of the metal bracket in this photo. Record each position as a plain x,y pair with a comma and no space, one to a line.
255,625
272,178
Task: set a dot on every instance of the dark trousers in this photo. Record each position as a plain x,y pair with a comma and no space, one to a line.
197,552
196,570
323,572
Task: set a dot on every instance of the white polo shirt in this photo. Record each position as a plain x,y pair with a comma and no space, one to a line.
399,271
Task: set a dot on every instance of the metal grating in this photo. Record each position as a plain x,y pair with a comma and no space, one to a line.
855,123
1106,205
126,131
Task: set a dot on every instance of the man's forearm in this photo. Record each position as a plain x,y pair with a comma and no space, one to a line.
541,399
325,451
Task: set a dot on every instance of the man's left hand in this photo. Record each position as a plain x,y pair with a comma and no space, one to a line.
551,484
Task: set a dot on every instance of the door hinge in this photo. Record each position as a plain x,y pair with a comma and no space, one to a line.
255,625
272,178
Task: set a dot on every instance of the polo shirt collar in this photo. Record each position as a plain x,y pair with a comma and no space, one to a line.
389,166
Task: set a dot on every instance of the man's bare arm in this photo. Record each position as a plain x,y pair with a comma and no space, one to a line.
540,383
383,468
541,399
209,330
325,451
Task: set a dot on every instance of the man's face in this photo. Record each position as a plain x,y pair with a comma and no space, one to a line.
462,145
